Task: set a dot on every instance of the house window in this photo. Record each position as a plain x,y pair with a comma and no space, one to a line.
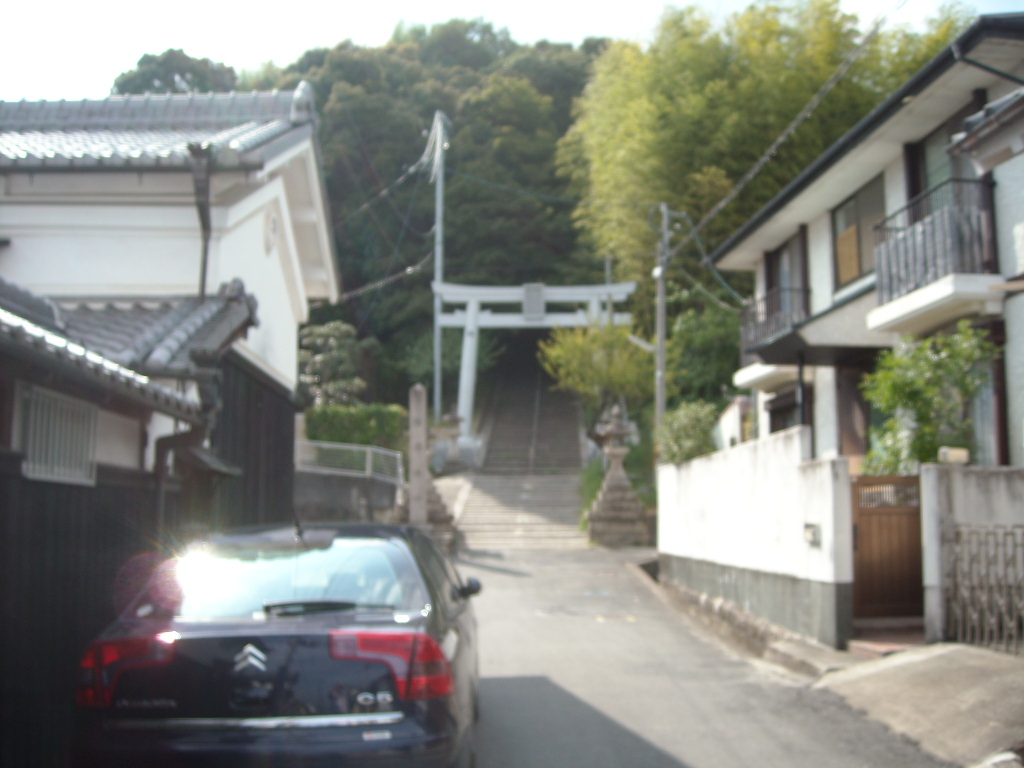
784,409
853,225
785,270
929,162
57,435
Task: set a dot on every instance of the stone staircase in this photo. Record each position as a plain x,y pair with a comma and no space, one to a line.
534,428
521,511
527,494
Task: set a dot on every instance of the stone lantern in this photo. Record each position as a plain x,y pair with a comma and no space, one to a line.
616,518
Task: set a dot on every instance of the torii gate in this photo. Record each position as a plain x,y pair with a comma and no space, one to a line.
533,299
583,305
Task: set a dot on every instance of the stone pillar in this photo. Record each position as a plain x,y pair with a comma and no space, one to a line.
419,473
426,507
616,517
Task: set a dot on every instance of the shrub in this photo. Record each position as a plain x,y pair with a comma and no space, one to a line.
687,432
925,390
373,424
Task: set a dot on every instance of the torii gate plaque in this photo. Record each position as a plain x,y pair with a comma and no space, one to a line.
541,306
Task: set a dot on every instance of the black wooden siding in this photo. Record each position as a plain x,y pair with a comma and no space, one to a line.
62,546
256,432
60,551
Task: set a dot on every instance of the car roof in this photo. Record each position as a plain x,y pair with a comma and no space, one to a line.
319,531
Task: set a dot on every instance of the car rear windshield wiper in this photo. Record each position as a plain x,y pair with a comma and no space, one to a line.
300,607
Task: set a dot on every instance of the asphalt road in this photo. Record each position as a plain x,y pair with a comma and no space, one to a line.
583,664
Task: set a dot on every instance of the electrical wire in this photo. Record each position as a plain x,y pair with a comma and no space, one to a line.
407,272
790,129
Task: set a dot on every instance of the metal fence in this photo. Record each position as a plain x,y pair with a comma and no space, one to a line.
985,586
351,460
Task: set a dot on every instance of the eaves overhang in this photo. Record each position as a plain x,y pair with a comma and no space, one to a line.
836,336
24,339
994,135
985,28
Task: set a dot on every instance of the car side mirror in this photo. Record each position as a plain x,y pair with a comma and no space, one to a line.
470,588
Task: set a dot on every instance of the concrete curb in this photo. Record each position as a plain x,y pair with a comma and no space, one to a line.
978,689
1001,760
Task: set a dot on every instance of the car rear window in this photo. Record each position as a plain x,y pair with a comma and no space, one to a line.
237,580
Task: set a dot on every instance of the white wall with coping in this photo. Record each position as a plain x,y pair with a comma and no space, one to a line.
119,440
138,235
950,495
750,506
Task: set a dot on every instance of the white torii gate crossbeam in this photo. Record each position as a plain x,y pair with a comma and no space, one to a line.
581,306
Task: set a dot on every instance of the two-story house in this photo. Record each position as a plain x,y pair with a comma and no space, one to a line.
157,256
888,233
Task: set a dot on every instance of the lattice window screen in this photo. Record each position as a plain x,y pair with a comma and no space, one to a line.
57,434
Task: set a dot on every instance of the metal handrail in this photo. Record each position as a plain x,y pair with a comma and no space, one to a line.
777,311
351,460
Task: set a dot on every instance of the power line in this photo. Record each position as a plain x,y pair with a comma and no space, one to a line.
407,272
797,121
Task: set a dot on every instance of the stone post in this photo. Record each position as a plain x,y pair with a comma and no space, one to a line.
419,474
617,516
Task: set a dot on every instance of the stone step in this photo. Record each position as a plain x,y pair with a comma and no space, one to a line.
520,511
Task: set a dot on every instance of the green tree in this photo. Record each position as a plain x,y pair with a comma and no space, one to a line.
702,352
601,366
329,357
684,120
925,390
507,217
174,71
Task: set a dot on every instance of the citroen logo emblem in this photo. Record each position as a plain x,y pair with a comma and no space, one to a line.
251,656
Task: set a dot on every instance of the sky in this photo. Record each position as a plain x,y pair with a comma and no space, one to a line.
74,50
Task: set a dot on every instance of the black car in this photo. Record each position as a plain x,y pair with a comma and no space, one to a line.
322,645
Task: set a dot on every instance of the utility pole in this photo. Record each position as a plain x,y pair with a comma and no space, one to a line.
437,144
659,319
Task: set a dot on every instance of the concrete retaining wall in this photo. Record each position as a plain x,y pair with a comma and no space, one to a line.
764,527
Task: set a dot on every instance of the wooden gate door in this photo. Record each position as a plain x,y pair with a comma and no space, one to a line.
887,577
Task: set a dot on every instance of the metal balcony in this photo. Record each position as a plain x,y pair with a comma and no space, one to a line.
772,315
946,230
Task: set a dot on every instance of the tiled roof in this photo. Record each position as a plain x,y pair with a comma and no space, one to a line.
121,343
150,131
74,361
158,336
993,114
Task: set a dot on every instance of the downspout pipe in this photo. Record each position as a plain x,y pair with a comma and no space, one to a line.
202,170
164,445
208,379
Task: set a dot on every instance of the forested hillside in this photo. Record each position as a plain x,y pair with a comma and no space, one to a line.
559,158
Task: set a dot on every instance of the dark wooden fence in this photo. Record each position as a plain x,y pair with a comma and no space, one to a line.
60,552
62,547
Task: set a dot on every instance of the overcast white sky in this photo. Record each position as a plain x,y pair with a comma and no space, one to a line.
74,50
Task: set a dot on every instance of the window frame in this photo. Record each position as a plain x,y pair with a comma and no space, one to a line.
868,210
56,434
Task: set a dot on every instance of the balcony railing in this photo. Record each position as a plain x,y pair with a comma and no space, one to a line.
770,315
946,230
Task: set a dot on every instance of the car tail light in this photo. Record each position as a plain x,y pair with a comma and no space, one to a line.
419,665
105,660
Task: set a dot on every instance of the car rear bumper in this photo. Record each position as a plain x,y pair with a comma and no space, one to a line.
202,744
